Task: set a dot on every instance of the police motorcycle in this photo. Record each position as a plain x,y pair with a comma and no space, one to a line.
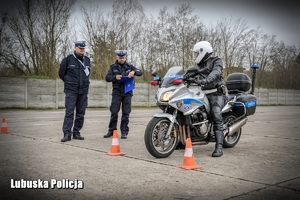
186,111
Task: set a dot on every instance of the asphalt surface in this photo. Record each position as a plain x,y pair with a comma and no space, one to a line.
263,165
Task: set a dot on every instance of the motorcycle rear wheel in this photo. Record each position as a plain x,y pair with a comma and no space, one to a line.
230,141
156,143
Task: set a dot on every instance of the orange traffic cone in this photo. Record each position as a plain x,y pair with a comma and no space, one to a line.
188,160
115,147
4,128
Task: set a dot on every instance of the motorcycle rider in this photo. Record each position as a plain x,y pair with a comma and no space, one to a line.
212,83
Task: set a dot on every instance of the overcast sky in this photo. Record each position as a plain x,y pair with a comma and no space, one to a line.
280,18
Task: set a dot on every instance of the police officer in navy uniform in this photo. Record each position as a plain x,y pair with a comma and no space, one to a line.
74,71
116,71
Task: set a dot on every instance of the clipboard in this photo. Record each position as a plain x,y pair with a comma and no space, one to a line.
124,79
129,84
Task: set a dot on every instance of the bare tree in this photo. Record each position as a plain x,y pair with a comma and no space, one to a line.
118,29
37,28
295,71
147,49
172,36
5,43
261,50
35,36
127,17
187,29
101,37
286,70
231,39
163,45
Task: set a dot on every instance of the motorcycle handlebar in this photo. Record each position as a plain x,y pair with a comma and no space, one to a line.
190,80
187,76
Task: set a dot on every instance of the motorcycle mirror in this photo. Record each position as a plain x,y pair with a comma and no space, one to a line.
154,83
177,81
154,73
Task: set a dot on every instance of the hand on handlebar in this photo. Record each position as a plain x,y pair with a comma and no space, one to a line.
187,76
202,82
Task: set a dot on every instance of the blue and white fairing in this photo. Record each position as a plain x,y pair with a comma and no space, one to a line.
172,74
186,100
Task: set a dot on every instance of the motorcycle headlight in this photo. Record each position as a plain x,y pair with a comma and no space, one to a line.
166,96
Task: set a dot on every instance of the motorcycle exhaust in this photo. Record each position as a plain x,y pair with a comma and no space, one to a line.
236,126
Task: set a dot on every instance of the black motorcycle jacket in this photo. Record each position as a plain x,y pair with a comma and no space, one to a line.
72,73
120,69
212,72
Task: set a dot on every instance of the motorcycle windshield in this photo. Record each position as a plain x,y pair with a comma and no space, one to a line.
172,74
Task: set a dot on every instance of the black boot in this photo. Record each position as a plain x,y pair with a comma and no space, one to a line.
66,138
219,144
78,137
107,135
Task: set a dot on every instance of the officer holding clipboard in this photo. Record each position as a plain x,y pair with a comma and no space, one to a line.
121,74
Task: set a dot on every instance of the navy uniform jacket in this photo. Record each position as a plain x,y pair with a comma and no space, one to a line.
71,72
118,69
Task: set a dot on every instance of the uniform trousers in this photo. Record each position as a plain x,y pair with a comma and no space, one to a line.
78,102
116,102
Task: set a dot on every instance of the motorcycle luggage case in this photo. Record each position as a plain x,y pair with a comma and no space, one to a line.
238,82
250,102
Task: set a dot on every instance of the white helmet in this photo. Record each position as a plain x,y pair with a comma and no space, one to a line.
201,51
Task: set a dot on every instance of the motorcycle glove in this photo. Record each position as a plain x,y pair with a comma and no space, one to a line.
202,82
187,76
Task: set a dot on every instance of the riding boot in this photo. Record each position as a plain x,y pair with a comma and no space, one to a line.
210,137
219,144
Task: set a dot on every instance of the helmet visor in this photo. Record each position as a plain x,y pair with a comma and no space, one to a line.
195,54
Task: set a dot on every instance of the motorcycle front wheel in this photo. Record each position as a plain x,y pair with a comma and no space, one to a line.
156,142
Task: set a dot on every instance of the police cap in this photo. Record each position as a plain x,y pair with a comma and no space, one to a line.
80,44
121,53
